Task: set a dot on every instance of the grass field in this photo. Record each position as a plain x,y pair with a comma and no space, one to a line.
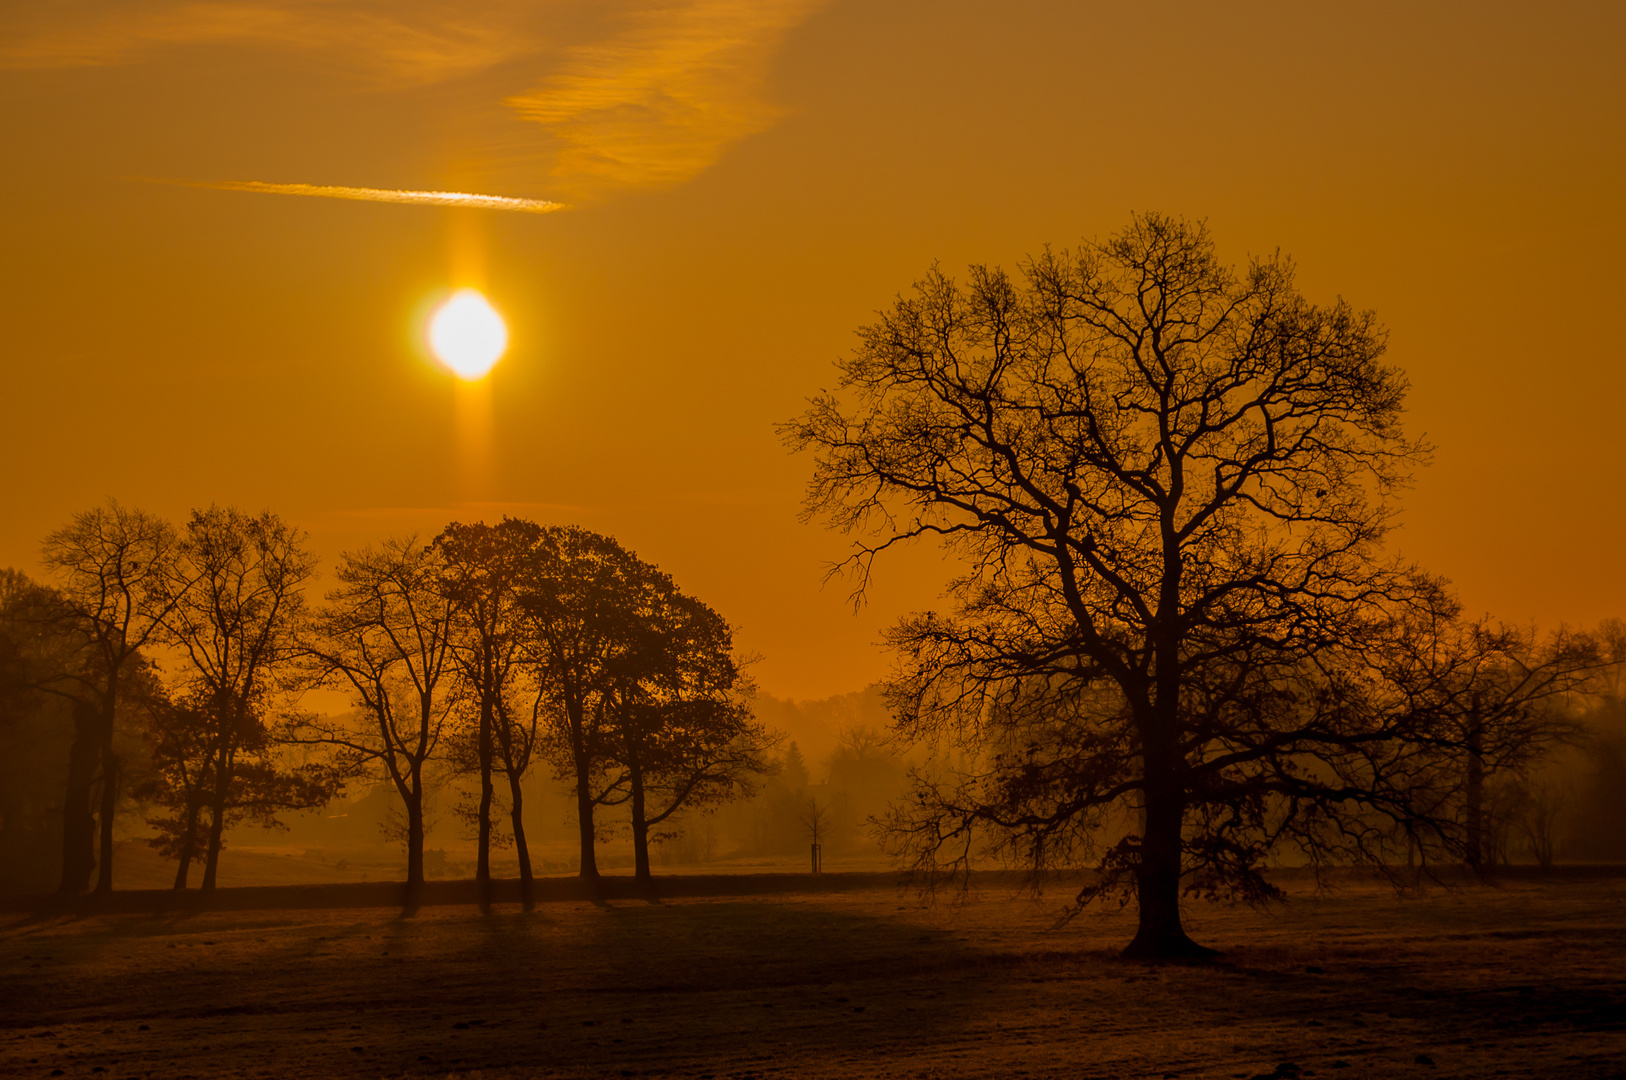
1524,978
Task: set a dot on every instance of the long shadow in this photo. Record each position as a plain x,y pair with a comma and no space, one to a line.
629,985
569,888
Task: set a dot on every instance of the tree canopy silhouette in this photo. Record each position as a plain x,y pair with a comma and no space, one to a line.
682,723
386,637
1169,483
118,580
240,626
481,570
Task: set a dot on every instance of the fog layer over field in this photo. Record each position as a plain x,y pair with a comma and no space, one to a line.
841,761
835,756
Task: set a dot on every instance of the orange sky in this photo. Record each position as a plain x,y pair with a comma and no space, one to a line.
749,180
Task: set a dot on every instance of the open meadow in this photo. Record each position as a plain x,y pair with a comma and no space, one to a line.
1520,978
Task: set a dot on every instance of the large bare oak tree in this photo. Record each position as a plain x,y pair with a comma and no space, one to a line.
1168,482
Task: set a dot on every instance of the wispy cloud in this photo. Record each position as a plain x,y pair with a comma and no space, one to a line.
634,93
384,195
398,44
661,100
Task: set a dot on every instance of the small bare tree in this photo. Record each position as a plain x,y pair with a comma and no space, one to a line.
816,820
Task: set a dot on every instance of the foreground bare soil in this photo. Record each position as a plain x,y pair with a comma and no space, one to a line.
1522,979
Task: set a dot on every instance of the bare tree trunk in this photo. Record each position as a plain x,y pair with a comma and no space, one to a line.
110,798
110,786
217,821
1160,934
1474,817
640,825
188,842
516,815
78,821
211,853
414,882
584,821
482,866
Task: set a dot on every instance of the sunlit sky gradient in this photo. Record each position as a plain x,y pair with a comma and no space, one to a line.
747,182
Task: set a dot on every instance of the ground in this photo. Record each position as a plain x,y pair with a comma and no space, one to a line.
1523,978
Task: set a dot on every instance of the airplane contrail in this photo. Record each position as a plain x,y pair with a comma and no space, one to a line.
385,195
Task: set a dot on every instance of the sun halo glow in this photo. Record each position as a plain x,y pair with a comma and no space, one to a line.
467,335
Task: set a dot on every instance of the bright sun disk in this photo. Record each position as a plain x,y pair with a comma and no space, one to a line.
467,335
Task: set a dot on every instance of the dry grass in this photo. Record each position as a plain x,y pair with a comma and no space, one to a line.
1524,979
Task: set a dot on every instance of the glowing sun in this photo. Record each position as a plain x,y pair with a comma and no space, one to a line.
467,335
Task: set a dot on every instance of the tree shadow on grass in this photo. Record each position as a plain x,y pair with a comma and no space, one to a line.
624,986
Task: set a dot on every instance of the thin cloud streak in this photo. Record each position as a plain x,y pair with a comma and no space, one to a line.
383,195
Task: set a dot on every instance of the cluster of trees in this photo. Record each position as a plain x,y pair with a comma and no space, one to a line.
1178,644
489,650
223,598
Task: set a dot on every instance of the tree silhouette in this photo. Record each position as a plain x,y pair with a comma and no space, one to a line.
1168,483
482,566
240,627
683,728
386,636
867,772
815,819
117,581
181,735
1508,697
578,595
793,768
42,725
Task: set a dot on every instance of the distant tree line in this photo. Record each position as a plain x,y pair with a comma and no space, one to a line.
163,667
1177,646
857,783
